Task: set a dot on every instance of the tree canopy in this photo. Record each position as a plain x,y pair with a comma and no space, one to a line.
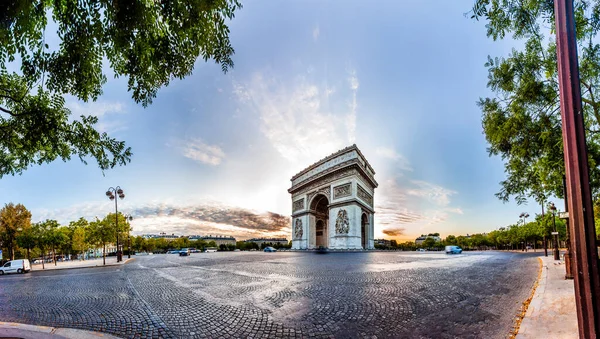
149,43
522,122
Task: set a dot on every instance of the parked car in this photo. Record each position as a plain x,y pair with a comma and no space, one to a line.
210,249
421,250
16,266
269,249
184,252
453,250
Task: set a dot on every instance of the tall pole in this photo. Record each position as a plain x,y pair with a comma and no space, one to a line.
583,233
555,236
545,232
117,227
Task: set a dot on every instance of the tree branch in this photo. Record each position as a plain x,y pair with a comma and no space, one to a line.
7,111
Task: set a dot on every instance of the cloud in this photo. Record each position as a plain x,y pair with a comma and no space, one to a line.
297,116
200,152
98,108
432,192
389,153
104,110
351,118
316,32
403,201
394,232
200,218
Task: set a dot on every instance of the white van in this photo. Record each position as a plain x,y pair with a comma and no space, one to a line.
16,266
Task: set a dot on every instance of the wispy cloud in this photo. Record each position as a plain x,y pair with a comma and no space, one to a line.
351,118
316,32
389,153
394,232
297,115
184,219
106,112
437,194
403,201
198,151
96,108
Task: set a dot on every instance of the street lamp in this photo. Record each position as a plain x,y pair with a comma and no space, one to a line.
128,217
554,233
111,195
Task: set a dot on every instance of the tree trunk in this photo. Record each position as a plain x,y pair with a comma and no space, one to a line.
28,255
103,254
43,260
54,255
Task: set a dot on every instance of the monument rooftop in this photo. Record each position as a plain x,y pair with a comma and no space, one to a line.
346,157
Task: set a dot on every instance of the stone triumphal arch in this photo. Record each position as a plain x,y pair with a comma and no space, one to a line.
332,203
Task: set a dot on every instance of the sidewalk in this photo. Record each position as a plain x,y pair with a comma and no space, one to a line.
110,261
552,312
15,330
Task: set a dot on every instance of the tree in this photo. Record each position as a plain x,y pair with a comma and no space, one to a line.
100,232
13,219
26,239
150,43
429,243
54,237
78,242
450,240
42,232
522,122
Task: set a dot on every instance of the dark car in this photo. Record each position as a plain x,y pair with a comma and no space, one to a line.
322,250
270,249
184,252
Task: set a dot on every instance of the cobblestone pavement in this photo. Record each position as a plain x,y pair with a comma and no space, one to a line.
284,294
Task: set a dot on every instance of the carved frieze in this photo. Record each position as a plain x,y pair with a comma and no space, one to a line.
341,191
298,205
364,195
326,165
328,180
342,223
298,230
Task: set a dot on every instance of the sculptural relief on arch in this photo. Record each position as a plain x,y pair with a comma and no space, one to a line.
333,203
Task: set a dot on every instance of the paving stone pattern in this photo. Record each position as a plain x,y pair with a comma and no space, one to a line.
284,294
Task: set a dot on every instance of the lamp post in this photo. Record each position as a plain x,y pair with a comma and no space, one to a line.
554,232
128,217
110,193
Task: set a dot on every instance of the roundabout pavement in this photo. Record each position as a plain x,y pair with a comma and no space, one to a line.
283,294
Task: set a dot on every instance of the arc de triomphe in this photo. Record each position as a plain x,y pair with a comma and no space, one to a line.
332,203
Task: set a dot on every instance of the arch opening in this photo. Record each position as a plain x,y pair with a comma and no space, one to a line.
364,223
319,208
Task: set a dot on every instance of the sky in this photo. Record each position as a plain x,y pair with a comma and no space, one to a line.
214,153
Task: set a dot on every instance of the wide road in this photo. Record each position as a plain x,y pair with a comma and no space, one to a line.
284,294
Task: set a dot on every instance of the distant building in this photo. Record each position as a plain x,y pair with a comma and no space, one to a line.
423,237
383,242
270,241
162,235
218,239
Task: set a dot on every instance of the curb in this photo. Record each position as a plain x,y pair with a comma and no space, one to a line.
525,307
81,267
27,331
